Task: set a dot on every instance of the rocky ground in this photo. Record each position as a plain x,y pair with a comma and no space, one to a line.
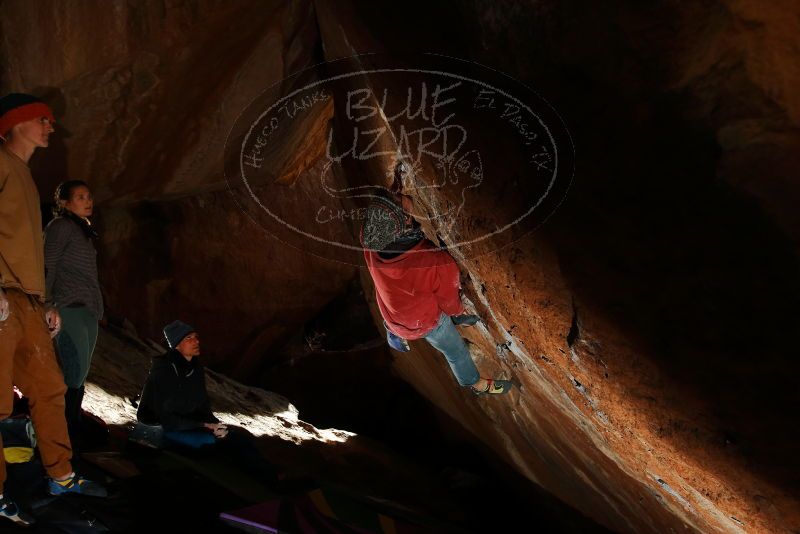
434,498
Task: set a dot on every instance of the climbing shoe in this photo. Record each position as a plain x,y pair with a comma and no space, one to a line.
10,510
76,485
494,387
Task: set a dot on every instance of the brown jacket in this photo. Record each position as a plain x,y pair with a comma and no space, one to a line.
21,244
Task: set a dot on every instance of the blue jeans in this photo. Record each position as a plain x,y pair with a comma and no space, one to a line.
445,338
190,438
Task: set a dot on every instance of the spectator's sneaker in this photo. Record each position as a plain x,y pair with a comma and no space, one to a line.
77,485
10,510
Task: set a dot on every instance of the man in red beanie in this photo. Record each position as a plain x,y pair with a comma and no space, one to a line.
27,359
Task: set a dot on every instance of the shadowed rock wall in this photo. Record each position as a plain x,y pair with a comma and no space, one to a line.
647,319
145,95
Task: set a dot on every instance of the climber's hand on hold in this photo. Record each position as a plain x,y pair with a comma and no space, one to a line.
53,321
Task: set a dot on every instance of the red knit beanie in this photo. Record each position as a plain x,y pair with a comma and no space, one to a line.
19,107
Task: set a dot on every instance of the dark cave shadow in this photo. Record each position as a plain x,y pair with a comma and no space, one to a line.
693,270
49,166
393,422
469,473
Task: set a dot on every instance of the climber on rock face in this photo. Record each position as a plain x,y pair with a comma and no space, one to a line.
417,287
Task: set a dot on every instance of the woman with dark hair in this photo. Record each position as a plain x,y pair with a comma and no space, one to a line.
72,287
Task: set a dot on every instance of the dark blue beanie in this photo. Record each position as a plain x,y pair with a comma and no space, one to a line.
176,331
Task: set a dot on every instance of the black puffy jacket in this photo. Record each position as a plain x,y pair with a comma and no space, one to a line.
174,394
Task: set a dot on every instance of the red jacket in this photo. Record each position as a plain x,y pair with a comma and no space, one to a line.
413,289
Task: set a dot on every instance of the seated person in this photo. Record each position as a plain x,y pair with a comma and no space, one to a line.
175,399
174,394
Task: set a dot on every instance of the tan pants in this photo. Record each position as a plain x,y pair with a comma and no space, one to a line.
28,361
